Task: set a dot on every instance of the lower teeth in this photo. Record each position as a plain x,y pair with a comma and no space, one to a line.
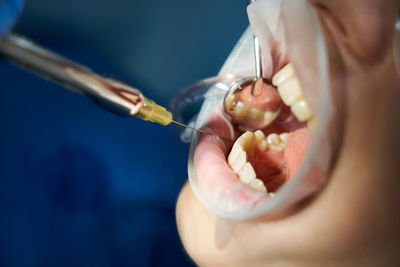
244,148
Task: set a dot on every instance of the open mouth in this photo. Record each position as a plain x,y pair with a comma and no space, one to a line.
266,158
284,158
261,159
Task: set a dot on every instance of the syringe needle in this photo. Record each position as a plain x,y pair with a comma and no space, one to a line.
200,130
109,93
190,127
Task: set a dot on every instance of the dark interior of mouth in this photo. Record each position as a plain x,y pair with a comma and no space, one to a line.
275,168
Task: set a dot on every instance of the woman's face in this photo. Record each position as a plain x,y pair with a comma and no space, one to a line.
354,219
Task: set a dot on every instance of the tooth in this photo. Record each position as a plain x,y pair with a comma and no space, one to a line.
247,174
301,110
231,101
255,113
290,91
247,140
240,110
258,185
279,148
273,139
284,137
263,145
269,117
235,153
274,143
282,75
260,140
312,124
237,158
259,136
241,148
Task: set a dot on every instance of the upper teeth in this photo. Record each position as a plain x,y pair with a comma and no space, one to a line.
253,110
244,148
244,112
301,110
291,93
285,73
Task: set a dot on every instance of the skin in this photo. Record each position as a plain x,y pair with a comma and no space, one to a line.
354,220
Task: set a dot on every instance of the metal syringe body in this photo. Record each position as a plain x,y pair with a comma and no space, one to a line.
107,92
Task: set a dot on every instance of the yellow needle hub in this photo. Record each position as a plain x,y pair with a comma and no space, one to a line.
154,112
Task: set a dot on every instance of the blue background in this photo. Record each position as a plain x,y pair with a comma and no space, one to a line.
80,186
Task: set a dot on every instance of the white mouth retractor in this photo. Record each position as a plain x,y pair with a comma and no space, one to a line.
293,18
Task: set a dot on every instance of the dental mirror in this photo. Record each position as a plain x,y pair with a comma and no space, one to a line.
253,102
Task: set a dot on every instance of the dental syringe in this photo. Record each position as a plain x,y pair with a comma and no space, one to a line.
109,93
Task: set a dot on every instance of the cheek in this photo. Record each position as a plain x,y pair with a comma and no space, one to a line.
365,27
369,30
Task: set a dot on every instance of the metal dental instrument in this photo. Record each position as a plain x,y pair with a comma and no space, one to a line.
257,63
257,56
109,93
231,97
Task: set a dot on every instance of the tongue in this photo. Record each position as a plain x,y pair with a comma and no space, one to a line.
214,174
275,168
296,149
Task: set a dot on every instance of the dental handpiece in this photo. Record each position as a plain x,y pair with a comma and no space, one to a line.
109,93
